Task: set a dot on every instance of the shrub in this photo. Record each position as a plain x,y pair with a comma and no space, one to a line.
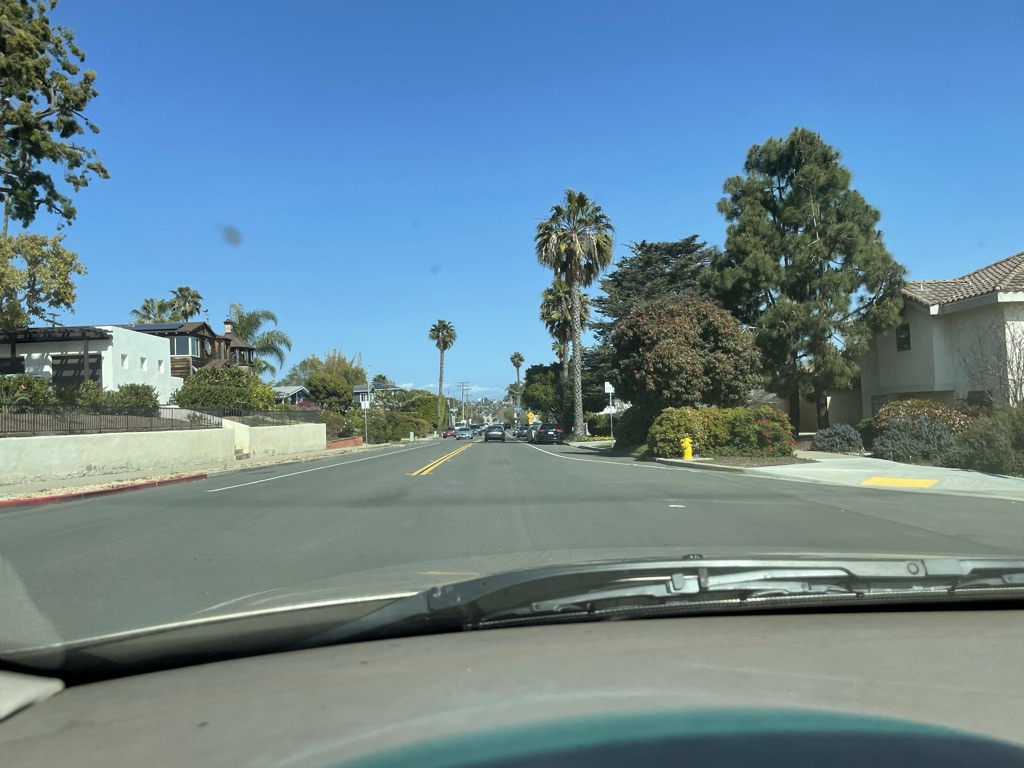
28,391
85,394
140,398
868,430
393,426
342,424
671,426
841,438
227,387
993,443
914,441
760,431
632,426
598,424
952,418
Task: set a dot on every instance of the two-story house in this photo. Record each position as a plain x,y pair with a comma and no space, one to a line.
194,345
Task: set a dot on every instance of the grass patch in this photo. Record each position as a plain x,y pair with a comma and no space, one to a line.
633,451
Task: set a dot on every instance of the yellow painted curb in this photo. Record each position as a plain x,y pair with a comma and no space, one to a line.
900,482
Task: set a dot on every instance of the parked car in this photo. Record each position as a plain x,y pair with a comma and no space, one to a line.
464,433
494,432
449,432
549,432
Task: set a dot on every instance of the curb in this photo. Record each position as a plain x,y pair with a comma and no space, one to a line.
702,465
74,495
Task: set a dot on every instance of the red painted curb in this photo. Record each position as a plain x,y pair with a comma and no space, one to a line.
100,491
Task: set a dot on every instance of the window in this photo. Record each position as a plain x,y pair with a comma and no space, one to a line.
185,345
124,361
142,363
903,337
159,366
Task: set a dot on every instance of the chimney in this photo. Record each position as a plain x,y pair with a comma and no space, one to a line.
229,326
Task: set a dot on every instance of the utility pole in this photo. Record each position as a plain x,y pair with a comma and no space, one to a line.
464,386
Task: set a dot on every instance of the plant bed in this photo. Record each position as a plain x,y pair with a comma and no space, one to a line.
754,461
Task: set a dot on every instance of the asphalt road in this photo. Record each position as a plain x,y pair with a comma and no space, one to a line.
145,557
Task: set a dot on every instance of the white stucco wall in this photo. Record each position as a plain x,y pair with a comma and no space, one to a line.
31,459
294,438
139,358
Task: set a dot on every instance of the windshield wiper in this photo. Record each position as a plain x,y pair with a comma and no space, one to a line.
687,585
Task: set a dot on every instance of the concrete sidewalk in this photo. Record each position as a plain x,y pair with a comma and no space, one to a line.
867,472
78,487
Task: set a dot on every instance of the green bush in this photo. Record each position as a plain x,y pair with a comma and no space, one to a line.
140,398
393,426
954,419
841,438
671,426
227,387
922,440
760,431
632,426
85,394
598,424
25,390
993,443
342,424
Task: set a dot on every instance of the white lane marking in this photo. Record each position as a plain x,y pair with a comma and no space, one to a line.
314,469
677,506
638,464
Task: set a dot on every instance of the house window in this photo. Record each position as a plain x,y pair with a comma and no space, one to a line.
903,337
142,363
185,345
877,401
124,361
159,366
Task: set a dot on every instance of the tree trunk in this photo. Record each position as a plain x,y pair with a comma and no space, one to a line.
794,411
575,360
821,401
440,389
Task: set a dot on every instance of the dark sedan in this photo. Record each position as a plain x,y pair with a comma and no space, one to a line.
494,432
549,433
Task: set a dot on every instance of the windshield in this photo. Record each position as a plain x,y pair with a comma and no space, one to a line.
756,295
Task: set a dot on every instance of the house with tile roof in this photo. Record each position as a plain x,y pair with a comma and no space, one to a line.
960,339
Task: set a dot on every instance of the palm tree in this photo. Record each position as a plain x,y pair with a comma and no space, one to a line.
186,302
555,307
154,311
517,361
268,344
575,242
442,333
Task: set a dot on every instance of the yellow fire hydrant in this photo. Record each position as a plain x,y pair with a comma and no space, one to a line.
687,446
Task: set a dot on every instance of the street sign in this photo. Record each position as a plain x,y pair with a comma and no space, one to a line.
365,404
529,417
608,388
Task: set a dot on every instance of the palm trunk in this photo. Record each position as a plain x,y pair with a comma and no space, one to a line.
440,389
575,360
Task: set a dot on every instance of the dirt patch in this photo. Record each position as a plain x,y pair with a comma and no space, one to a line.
755,461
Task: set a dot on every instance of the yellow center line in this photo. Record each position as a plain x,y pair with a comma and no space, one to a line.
900,482
438,462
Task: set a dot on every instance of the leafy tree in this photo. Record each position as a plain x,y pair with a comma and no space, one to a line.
442,333
227,386
421,404
683,352
35,276
155,311
329,390
805,266
271,343
334,363
45,94
542,390
652,271
186,302
575,242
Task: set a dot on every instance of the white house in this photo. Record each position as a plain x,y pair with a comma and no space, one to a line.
107,354
959,339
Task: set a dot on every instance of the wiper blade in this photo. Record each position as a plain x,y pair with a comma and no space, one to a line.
691,583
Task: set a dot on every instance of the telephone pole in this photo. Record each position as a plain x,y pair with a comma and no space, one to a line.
464,386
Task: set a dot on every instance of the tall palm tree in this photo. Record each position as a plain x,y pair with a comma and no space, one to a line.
186,302
268,344
575,242
442,333
154,311
517,361
555,307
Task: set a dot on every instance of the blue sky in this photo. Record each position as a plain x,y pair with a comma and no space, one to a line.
386,163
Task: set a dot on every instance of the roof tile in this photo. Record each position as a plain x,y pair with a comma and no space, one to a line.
1006,275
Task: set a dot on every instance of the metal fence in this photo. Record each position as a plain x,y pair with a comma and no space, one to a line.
28,421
